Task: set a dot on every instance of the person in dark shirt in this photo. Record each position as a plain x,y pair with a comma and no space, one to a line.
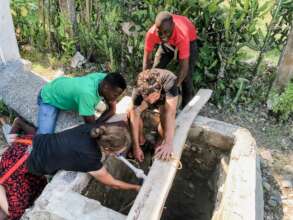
77,149
155,89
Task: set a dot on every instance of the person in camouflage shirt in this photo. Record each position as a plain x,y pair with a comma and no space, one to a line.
155,89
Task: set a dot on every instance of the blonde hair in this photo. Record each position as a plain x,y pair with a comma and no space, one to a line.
112,137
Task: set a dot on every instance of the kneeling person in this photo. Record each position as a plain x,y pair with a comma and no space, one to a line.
155,89
77,149
80,94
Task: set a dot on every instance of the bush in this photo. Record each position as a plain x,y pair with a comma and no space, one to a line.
224,27
283,104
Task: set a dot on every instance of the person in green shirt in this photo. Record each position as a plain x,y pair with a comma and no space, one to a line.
80,94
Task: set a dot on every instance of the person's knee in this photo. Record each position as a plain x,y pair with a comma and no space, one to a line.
3,215
3,201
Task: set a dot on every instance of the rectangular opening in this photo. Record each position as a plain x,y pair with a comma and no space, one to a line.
193,194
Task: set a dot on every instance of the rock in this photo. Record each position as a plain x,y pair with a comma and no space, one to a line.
288,168
77,60
277,199
287,183
267,186
285,142
272,203
130,29
266,154
191,185
269,104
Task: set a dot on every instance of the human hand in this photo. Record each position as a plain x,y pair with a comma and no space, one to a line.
138,154
164,151
137,188
153,97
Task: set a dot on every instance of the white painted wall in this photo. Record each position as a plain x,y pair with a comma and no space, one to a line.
8,45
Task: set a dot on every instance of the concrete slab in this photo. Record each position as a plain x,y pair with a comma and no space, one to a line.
19,89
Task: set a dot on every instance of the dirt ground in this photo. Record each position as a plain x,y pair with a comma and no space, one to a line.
275,147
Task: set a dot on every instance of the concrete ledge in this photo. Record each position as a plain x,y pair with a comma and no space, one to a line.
19,90
242,196
213,132
69,205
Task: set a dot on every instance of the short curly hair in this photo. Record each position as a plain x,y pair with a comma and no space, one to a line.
148,82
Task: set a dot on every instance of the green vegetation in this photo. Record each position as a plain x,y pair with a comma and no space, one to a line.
5,111
283,104
110,33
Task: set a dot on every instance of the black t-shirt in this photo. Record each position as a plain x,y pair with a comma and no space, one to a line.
169,89
71,150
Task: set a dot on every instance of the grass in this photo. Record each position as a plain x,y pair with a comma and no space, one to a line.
45,64
271,57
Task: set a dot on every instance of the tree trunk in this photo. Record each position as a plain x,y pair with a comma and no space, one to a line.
285,65
67,8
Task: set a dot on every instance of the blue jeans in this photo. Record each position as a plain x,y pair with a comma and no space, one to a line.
47,117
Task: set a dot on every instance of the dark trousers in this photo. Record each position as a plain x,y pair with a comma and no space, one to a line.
163,57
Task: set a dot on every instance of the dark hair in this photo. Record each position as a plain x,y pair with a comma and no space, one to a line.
112,136
115,80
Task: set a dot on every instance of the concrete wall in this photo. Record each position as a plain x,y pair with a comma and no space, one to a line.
8,44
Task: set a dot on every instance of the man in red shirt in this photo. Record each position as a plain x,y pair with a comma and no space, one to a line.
173,33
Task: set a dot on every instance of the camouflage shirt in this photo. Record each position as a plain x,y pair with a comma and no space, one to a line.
153,80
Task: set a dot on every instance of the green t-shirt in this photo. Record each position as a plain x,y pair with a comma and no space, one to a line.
78,93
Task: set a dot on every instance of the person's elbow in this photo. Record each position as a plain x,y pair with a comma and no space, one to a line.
89,119
111,112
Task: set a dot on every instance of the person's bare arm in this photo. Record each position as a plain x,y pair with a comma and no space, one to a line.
19,125
134,118
134,125
147,60
89,119
108,113
164,151
106,178
184,65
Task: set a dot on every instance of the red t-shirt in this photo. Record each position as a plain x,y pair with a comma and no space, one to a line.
184,32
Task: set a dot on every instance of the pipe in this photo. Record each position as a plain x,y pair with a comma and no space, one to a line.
138,172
